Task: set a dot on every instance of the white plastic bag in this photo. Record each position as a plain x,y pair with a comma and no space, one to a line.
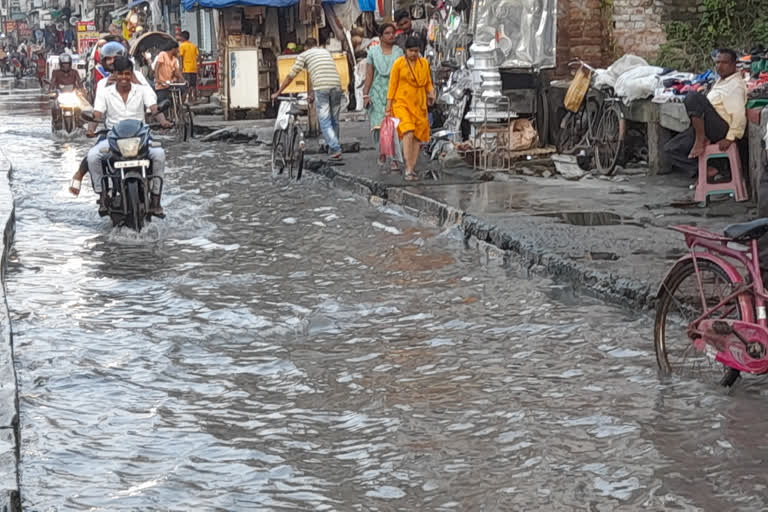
281,121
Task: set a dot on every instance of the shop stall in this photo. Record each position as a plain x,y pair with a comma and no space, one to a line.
489,61
257,39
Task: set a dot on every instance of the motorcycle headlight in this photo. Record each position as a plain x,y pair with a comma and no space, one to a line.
69,99
129,147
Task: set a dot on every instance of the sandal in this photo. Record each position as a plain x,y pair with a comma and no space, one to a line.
74,187
410,176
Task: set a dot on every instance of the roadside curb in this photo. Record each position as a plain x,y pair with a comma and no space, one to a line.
10,500
538,260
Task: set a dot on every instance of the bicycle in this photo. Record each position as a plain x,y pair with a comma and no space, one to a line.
288,140
180,114
724,330
597,127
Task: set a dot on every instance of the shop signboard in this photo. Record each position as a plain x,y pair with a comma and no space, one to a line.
25,31
86,35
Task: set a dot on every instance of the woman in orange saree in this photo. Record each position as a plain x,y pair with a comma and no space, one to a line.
410,92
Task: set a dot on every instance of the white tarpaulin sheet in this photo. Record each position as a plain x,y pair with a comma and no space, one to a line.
525,31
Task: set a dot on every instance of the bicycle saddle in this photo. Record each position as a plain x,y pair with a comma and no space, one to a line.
747,230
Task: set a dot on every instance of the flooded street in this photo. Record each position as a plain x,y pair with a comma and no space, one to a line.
274,346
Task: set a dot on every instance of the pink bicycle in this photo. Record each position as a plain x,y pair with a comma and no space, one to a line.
711,309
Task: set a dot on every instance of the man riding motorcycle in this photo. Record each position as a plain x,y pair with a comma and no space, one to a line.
104,76
65,78
65,75
114,103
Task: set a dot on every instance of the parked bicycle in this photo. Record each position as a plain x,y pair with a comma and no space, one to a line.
180,114
288,140
711,310
595,125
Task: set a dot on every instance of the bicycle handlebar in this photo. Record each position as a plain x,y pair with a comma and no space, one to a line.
580,62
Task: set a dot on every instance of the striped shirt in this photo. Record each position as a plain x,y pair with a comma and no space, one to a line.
322,69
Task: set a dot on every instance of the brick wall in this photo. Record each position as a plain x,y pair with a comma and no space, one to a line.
579,32
635,26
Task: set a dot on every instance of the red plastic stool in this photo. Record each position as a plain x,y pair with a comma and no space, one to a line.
735,187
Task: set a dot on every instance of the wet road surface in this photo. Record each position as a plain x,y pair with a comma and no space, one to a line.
289,347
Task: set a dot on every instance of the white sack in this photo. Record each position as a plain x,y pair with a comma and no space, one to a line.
608,77
638,83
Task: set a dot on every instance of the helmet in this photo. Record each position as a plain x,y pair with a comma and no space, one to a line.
112,49
65,59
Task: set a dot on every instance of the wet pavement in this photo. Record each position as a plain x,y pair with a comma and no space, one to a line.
276,346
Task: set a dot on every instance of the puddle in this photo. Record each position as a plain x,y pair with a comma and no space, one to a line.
588,218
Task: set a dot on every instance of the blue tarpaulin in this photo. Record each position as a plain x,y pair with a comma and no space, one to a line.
220,4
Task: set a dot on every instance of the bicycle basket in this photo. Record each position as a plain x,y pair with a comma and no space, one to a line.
577,91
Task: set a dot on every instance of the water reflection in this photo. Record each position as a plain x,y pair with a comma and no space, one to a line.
274,346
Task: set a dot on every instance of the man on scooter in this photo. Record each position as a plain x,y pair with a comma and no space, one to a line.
117,102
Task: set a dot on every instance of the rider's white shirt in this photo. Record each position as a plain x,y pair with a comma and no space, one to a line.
109,102
139,76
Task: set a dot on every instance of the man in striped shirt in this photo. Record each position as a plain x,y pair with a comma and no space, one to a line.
324,87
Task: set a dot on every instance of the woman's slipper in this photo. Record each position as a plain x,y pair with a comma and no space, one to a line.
74,187
410,176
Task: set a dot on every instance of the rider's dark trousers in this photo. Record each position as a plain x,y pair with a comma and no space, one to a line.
678,148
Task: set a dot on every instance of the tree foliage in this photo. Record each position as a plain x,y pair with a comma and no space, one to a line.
738,24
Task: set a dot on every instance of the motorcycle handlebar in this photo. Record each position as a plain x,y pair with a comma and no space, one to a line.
105,131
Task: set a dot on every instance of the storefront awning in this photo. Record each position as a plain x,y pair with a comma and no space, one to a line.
221,4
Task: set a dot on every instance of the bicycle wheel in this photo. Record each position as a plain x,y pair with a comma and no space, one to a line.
575,125
679,304
295,155
189,123
566,139
609,139
279,139
180,128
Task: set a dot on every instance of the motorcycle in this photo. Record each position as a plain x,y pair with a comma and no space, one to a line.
67,107
128,174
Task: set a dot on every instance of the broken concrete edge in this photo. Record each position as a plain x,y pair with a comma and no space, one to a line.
10,500
536,259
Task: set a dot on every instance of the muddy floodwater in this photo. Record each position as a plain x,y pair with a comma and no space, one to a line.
275,346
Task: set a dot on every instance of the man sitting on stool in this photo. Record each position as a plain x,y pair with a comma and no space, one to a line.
720,118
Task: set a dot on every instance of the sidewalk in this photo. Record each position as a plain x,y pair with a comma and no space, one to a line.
609,237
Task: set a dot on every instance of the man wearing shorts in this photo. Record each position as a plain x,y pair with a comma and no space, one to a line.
190,57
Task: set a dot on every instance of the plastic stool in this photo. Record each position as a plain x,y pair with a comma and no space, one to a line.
735,187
